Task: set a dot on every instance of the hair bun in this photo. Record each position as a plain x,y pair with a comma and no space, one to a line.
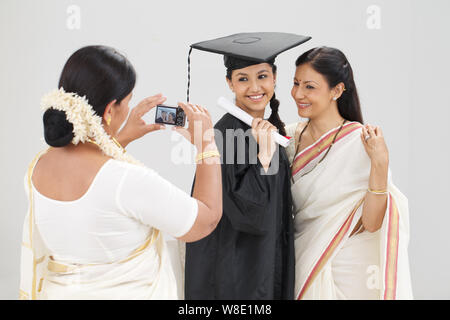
58,131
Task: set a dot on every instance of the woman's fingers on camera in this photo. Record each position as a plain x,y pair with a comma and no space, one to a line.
186,108
153,101
198,108
154,127
149,103
203,110
207,112
195,108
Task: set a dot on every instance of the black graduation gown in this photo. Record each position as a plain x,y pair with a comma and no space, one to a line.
250,255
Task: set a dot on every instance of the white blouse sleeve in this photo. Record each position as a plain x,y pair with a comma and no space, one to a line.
290,149
147,197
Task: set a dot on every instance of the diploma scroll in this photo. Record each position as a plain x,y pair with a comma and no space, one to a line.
246,118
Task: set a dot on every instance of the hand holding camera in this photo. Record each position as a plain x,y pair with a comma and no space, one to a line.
198,117
200,129
136,127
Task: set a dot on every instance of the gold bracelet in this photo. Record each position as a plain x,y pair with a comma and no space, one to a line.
207,154
377,191
118,144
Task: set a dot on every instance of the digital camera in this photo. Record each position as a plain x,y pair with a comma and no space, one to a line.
170,115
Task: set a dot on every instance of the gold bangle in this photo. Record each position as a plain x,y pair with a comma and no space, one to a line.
118,144
377,191
207,154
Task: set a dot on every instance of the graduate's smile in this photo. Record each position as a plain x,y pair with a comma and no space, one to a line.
256,98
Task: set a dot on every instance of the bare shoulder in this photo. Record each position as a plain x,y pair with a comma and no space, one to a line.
64,175
59,158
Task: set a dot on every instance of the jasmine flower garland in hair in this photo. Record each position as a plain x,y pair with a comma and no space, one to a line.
86,124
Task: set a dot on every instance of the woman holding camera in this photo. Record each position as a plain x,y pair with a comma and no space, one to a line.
95,213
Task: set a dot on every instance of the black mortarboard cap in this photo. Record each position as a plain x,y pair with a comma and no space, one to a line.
258,47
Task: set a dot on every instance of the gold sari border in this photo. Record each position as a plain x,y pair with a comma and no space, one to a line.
303,158
392,252
23,295
54,265
30,223
329,250
26,245
30,196
59,267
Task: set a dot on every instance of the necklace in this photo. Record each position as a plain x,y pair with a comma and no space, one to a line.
314,139
318,147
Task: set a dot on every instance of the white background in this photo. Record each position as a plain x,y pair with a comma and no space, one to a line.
401,71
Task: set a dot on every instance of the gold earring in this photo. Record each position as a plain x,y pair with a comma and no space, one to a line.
108,121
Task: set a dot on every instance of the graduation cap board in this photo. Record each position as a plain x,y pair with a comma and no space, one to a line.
255,47
258,46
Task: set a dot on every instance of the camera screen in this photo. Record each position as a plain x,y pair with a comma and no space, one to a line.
165,115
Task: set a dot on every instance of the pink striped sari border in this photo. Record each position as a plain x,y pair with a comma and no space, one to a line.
392,252
312,148
329,250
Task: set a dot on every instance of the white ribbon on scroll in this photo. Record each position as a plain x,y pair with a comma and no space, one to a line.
246,118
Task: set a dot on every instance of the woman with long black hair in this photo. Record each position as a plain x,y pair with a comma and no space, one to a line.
351,222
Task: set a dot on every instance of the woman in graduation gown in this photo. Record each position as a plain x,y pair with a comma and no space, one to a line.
351,221
250,255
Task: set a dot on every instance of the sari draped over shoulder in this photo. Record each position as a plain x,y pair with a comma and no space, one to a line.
145,274
328,198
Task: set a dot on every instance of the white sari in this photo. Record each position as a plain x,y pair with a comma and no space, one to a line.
145,274
328,205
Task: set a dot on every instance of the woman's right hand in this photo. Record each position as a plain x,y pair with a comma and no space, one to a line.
200,129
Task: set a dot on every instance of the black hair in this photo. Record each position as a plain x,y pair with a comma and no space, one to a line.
334,66
233,63
99,73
